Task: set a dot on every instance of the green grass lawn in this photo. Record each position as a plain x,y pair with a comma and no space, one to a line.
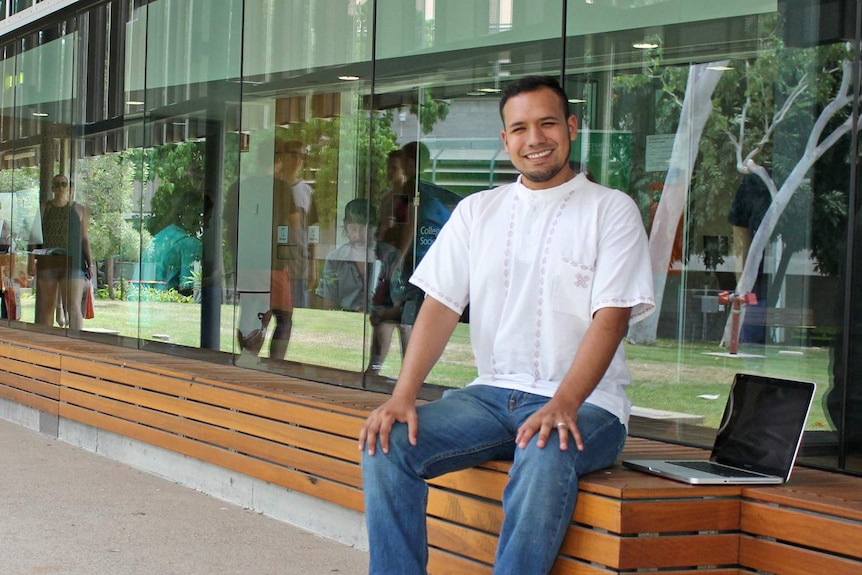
666,375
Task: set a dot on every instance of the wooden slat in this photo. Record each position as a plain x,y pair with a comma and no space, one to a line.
657,516
462,541
29,399
477,481
311,463
441,562
772,557
322,489
337,423
592,546
676,516
567,566
816,491
679,551
480,514
45,358
29,370
335,446
803,528
34,386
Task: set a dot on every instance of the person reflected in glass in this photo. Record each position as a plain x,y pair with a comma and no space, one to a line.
286,216
386,307
428,211
299,249
395,201
262,284
60,260
353,270
749,205
555,268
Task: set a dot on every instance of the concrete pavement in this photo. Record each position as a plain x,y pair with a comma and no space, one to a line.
67,511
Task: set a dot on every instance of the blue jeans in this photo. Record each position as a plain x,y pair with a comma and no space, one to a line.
464,428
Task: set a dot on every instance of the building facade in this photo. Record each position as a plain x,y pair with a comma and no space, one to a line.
215,145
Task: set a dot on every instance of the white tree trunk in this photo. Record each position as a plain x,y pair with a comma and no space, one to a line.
814,149
696,109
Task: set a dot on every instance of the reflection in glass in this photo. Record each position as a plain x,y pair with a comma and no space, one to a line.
178,134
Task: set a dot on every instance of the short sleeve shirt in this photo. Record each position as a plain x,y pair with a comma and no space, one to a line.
534,267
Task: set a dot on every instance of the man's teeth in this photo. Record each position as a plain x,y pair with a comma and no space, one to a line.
538,155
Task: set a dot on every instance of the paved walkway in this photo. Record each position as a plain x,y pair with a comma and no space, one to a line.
67,511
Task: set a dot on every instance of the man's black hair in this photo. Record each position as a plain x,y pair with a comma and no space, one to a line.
418,153
358,211
532,84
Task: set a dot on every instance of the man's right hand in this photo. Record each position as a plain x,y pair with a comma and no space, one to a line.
379,424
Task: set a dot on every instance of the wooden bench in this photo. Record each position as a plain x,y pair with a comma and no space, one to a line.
302,436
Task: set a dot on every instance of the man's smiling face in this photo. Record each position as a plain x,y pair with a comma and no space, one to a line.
538,136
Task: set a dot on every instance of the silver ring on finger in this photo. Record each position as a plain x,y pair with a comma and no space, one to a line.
561,424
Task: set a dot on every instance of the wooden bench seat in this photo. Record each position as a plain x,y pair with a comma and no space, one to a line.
302,436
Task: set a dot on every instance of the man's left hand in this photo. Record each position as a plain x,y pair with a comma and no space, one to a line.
545,420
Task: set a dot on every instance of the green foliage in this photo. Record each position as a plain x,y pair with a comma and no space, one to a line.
148,294
19,179
326,155
105,187
19,198
430,111
179,171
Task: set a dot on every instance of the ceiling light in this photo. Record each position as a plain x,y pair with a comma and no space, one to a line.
40,114
644,45
348,78
490,90
720,68
134,103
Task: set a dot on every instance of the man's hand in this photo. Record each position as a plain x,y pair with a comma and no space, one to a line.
591,361
379,424
554,415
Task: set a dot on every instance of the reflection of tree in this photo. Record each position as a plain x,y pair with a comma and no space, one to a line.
429,110
19,195
696,109
105,187
833,122
179,171
752,102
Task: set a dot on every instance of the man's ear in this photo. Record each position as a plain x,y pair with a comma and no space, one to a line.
573,127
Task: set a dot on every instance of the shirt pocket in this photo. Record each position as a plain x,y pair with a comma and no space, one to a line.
572,288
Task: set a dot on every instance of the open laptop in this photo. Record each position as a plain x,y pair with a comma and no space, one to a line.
758,438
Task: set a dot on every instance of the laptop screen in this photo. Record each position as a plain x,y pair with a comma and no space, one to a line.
762,424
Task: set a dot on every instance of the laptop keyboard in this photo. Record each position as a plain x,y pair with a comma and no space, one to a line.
716,469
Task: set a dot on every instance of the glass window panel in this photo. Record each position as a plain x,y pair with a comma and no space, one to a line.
743,231
291,177
189,121
301,280
448,104
42,87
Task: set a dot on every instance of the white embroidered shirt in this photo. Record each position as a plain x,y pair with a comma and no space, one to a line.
534,267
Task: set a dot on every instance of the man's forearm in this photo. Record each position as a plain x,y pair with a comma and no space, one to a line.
597,349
